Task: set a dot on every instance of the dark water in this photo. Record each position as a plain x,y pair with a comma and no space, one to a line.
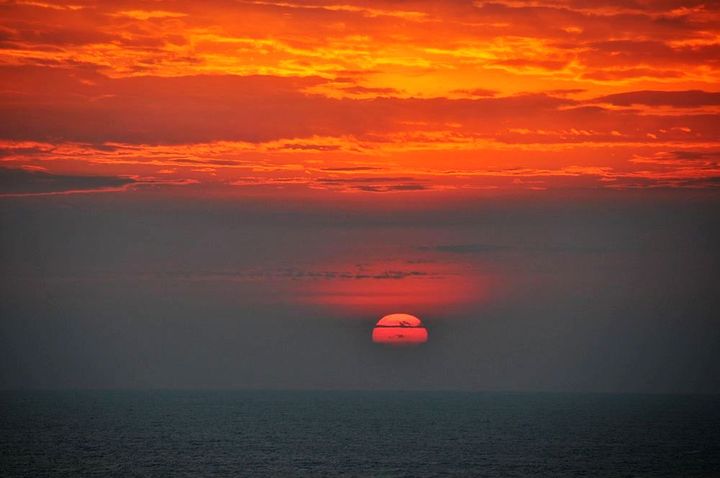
412,434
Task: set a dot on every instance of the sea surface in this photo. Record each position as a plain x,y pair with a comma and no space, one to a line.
409,434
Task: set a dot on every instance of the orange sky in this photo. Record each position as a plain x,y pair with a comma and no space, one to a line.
319,97
222,193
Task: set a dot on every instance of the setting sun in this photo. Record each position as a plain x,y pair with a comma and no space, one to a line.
399,330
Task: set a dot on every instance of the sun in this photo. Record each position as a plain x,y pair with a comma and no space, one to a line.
399,330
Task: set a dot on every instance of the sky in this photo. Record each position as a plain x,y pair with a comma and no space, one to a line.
229,194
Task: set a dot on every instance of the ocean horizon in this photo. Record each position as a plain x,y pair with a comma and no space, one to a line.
357,433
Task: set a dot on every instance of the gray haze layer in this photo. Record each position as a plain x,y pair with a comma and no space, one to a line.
145,291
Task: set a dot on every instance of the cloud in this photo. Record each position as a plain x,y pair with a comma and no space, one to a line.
277,92
490,249
364,90
310,147
180,38
392,188
23,182
614,74
369,179
482,92
34,181
676,99
64,106
341,275
373,184
351,169
699,155
377,272
468,248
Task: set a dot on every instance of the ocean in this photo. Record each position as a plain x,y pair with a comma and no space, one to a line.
374,434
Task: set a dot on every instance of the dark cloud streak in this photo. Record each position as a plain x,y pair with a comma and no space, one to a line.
19,181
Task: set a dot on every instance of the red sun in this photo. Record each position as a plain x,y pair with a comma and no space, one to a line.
399,330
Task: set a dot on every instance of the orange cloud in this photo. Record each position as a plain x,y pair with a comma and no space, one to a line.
352,97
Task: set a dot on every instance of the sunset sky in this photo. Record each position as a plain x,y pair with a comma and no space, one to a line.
304,97
185,181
